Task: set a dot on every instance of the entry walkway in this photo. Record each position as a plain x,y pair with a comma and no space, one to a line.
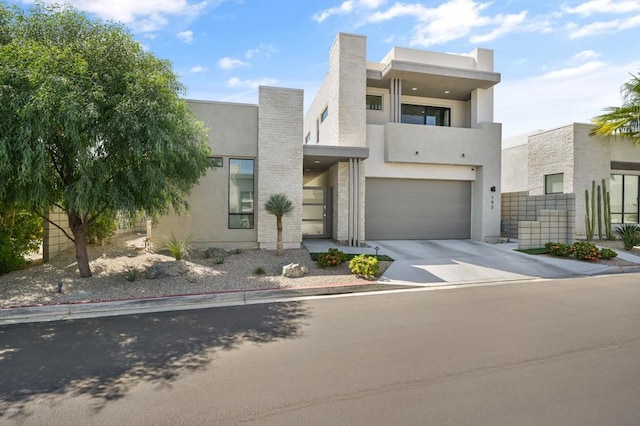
450,262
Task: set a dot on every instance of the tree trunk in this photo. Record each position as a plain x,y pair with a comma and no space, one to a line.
79,230
279,238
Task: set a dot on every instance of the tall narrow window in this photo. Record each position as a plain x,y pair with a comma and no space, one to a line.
553,184
374,102
240,194
624,191
426,115
324,115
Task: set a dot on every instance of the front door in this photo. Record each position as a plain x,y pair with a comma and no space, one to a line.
316,212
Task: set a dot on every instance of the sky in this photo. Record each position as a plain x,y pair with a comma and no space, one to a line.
560,61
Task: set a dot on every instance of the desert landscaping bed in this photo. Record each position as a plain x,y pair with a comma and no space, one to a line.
37,284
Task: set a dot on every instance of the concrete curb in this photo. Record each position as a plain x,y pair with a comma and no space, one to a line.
21,315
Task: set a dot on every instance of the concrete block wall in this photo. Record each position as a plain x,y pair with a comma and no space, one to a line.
550,152
347,85
552,225
517,207
279,163
54,241
339,180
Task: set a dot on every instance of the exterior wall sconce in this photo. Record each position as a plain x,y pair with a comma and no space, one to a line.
493,189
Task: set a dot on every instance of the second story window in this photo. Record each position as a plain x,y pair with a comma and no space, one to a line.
426,115
374,102
307,138
324,114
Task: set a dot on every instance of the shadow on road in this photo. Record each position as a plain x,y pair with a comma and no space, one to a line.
105,357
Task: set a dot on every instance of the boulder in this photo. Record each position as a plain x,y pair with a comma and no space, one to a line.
167,269
294,270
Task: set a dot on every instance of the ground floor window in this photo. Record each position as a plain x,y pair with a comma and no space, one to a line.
623,190
553,184
241,193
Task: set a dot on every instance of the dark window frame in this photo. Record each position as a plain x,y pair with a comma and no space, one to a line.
372,106
446,112
622,213
252,214
546,183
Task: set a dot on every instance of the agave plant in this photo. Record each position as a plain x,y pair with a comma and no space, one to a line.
179,248
629,234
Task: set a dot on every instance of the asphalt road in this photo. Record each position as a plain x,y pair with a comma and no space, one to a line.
547,353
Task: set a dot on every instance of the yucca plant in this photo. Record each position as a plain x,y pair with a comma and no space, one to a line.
179,248
629,234
279,205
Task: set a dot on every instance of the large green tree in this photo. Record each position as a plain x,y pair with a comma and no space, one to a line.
623,120
90,122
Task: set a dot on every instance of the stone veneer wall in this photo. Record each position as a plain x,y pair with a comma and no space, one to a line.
279,163
552,225
519,206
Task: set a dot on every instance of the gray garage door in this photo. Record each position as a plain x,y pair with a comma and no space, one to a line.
415,209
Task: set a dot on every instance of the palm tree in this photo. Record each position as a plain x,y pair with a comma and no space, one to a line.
279,205
623,120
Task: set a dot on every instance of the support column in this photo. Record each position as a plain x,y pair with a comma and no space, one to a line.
395,91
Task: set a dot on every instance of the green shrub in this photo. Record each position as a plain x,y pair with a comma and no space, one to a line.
333,257
585,250
364,266
629,234
607,253
20,234
102,228
179,248
259,271
558,249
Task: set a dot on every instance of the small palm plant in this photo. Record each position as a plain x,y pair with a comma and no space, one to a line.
279,205
179,248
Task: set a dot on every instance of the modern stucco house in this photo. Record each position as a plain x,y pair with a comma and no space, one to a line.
566,160
404,148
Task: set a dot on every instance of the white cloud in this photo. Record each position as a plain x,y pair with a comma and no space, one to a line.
506,25
346,7
573,72
264,49
250,84
198,69
139,15
559,97
606,27
599,7
585,55
228,63
186,36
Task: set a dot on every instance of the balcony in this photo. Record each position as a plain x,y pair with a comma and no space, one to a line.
411,143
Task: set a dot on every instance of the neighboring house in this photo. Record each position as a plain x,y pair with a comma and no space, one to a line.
567,160
405,148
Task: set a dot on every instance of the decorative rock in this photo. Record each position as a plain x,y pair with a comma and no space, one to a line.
167,269
294,270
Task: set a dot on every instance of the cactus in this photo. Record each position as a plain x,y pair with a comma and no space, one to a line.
593,208
607,211
599,212
587,221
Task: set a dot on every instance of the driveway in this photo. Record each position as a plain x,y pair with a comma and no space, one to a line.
441,262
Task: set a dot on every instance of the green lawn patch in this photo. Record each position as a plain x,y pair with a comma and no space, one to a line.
380,257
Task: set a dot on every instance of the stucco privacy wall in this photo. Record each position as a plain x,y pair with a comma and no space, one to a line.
519,206
233,134
280,162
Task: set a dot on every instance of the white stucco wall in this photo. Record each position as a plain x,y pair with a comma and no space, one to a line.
550,152
514,175
233,133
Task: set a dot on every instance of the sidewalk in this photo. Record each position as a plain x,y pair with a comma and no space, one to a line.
442,264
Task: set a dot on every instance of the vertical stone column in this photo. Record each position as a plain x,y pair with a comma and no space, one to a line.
280,118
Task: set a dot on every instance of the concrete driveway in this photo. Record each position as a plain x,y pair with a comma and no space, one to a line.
441,262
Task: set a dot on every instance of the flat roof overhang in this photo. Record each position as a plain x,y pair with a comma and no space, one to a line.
432,81
322,157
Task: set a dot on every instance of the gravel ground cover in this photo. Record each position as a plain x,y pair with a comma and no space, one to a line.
36,285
